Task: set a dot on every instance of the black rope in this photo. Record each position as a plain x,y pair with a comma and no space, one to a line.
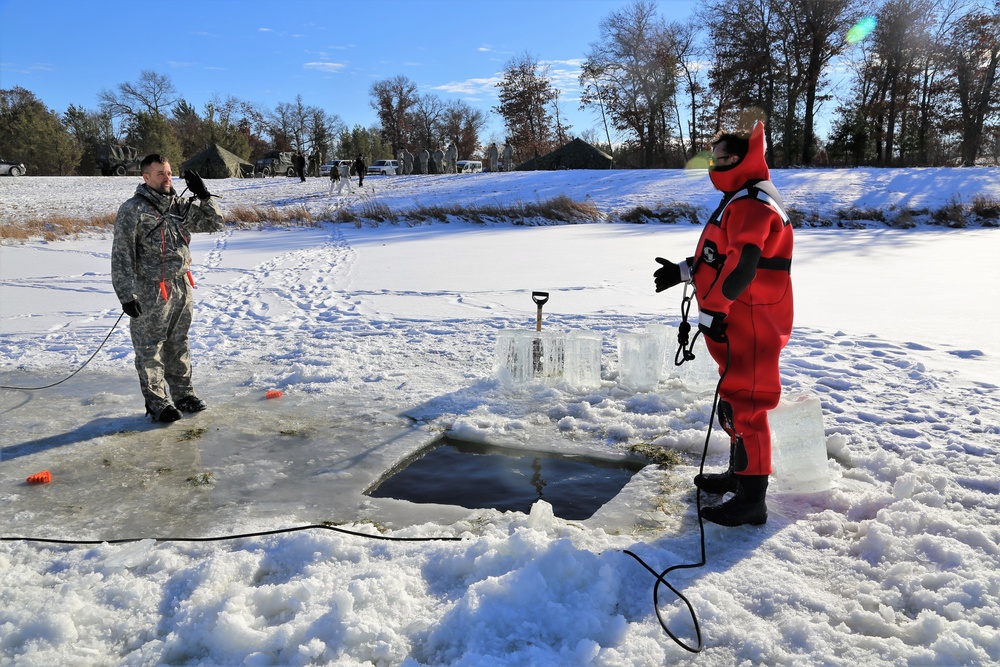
222,538
685,344
661,576
48,386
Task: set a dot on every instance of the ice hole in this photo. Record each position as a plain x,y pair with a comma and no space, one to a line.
479,476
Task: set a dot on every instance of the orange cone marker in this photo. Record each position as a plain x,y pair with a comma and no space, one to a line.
43,477
274,393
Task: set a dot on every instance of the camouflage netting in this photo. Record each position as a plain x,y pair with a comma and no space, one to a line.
577,154
216,162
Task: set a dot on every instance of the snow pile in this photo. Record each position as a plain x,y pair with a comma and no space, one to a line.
383,338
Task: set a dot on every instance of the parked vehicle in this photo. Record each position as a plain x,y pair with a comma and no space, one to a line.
384,167
324,169
274,163
115,160
469,166
8,168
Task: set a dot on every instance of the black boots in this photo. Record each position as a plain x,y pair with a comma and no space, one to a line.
191,404
164,416
747,506
719,482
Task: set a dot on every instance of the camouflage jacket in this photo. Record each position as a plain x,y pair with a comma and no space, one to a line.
152,232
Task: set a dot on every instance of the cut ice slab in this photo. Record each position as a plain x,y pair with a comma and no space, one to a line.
798,444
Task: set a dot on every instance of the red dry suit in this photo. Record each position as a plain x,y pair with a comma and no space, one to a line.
742,270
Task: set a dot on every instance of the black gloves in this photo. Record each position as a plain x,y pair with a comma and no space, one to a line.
713,325
132,308
670,274
196,185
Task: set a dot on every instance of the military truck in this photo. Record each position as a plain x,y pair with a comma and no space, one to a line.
274,163
114,160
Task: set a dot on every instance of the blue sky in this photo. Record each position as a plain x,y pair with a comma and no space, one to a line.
328,51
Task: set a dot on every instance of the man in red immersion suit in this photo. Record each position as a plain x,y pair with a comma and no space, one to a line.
741,276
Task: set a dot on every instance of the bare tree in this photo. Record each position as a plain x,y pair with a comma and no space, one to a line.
687,56
462,124
633,65
426,118
393,99
745,74
153,94
902,32
815,31
973,57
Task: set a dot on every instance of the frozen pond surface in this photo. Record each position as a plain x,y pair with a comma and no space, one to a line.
383,339
298,459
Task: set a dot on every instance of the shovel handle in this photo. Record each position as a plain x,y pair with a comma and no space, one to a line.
539,298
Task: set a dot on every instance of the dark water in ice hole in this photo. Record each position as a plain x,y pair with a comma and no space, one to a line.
472,475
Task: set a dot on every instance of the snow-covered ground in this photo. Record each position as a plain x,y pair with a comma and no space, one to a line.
382,338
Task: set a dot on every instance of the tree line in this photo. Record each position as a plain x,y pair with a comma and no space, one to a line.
917,80
916,85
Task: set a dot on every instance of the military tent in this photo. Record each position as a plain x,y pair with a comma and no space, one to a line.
577,154
216,162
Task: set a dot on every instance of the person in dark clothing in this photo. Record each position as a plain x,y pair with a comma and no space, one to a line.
299,161
360,167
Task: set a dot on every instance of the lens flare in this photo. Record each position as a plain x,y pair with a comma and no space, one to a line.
699,161
861,29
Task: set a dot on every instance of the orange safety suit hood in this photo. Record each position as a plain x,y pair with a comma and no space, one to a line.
752,167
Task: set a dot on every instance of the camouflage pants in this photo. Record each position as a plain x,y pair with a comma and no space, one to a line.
160,342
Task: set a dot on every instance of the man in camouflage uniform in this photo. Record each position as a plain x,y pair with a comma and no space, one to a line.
150,263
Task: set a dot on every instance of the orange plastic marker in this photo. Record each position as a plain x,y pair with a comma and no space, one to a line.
43,477
191,280
163,290
274,393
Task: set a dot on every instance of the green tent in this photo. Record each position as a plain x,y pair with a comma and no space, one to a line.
577,154
216,162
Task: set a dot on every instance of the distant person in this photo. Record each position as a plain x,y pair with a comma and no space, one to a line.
407,161
424,159
343,179
150,272
300,166
361,168
493,156
508,157
742,281
335,178
451,158
439,161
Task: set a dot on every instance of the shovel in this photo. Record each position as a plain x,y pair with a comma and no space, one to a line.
536,348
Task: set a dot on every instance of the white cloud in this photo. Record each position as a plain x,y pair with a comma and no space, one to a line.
470,86
325,66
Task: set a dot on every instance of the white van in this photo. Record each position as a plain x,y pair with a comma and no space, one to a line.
384,167
469,166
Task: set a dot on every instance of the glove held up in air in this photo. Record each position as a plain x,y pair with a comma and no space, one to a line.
196,185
